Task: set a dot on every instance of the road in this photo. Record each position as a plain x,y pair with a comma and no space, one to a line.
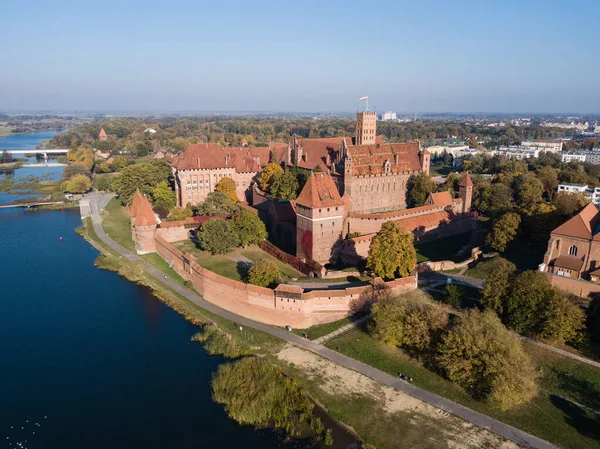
522,438
434,276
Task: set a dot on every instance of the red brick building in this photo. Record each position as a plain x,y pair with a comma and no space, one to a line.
102,136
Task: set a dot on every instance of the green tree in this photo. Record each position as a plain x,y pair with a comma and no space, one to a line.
263,273
528,191
480,354
145,177
180,213
284,185
411,321
568,203
266,177
593,317
453,295
562,319
227,186
504,231
497,286
500,199
77,184
418,189
217,236
392,252
525,301
163,195
217,204
249,227
118,163
75,169
549,178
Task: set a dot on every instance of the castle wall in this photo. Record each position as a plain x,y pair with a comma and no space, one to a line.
577,287
173,233
299,310
377,193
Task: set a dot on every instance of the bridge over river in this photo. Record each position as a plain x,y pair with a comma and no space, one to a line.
38,151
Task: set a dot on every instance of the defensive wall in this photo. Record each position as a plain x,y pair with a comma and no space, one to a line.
284,305
578,287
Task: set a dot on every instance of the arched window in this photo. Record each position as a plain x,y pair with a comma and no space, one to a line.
572,250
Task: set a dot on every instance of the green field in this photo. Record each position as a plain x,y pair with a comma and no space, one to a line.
548,416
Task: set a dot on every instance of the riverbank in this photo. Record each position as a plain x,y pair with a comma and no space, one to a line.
481,422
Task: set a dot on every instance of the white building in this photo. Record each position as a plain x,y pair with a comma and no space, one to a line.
388,117
593,156
518,152
553,146
593,193
150,130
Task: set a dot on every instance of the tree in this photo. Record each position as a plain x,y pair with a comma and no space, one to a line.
180,213
118,163
567,203
562,319
145,177
6,158
77,184
218,236
504,231
266,177
163,195
593,316
480,354
524,303
418,189
528,191
263,273
411,321
249,227
453,295
549,178
284,185
497,285
227,186
217,204
392,252
75,169
500,199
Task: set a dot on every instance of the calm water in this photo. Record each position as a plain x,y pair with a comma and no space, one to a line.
94,360
27,142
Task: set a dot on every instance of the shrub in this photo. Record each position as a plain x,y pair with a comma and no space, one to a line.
77,184
217,204
249,227
263,273
227,186
179,213
497,286
453,295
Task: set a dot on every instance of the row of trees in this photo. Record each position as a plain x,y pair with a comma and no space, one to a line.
472,349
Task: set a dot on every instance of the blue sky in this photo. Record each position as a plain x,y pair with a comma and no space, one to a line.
407,56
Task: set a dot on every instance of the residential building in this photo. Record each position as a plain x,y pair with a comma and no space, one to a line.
388,117
593,156
553,146
518,152
592,193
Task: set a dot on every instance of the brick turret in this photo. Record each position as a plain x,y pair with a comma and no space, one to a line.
465,191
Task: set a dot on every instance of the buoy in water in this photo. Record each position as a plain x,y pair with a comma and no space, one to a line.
61,239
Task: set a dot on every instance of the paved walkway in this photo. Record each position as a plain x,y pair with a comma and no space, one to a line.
341,330
465,413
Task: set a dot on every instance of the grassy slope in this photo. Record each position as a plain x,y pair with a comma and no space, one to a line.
547,416
442,249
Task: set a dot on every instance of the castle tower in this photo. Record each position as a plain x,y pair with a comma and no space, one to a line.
144,227
465,191
425,158
102,136
320,213
366,127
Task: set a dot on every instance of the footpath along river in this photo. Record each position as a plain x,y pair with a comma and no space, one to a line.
91,360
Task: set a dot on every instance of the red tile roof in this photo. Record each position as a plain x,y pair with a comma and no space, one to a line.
135,204
371,159
213,155
440,199
568,262
581,225
466,181
320,191
145,214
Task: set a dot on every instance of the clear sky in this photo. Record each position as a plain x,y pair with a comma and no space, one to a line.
407,56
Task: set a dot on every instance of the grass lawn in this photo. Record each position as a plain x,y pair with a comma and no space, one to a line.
483,268
547,416
440,169
117,225
317,331
442,249
226,266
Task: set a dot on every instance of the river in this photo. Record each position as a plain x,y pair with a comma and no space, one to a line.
91,360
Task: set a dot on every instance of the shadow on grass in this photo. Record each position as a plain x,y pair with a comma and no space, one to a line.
585,423
581,390
243,268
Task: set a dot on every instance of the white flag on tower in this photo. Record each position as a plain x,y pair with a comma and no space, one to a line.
364,98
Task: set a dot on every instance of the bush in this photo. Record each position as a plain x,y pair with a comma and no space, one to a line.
497,286
255,393
480,354
217,236
180,213
217,204
453,295
263,273
77,184
411,321
215,341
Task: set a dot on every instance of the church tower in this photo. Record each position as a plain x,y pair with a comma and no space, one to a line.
366,127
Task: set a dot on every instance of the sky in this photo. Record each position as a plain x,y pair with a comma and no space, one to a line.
301,56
